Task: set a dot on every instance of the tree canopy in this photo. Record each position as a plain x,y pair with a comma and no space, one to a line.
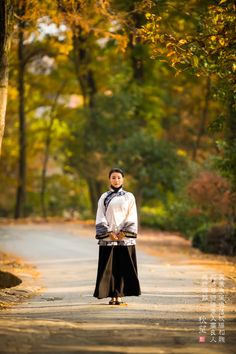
142,84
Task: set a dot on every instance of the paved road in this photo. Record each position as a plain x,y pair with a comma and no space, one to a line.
64,318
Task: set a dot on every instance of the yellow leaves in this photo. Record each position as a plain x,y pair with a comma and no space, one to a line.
222,41
148,15
181,152
65,48
195,61
182,41
234,67
216,18
174,61
12,92
213,38
153,17
149,26
222,1
162,38
122,42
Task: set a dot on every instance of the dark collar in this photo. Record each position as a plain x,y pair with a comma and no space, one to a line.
115,190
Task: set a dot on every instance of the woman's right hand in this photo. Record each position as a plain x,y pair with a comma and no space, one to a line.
113,237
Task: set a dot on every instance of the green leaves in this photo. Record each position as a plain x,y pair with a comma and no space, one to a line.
153,164
222,1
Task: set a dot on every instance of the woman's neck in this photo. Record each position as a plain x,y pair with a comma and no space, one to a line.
116,189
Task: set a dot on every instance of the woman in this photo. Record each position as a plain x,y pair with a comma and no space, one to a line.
116,230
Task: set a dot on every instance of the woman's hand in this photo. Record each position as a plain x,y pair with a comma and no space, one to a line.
120,235
113,237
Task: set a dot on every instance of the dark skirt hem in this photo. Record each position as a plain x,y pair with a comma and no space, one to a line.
121,295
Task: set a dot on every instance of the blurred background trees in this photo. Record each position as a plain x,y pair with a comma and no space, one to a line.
148,86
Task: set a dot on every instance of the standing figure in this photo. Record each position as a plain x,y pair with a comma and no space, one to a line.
116,230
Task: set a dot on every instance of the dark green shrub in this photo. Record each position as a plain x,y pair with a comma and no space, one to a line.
220,239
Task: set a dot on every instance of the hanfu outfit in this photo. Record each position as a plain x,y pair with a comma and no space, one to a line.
117,273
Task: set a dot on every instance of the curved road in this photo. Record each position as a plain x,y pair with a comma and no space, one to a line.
64,318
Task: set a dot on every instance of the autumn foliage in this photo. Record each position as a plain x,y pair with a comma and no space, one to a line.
145,85
212,194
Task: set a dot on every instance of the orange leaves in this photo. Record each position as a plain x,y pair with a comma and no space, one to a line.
121,40
170,53
212,192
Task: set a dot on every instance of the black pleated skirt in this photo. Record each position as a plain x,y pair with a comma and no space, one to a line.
117,273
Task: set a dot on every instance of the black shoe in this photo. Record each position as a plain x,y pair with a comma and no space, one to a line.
112,302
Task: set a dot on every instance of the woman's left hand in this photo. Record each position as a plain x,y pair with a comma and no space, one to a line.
120,235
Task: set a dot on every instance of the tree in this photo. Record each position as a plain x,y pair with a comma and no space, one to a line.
85,21
206,48
151,164
48,140
20,196
6,29
26,52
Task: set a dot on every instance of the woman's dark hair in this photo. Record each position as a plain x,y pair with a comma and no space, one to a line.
116,169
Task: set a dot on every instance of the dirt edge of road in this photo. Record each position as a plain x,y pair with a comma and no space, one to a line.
26,272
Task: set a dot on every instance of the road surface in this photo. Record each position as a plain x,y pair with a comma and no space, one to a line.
64,317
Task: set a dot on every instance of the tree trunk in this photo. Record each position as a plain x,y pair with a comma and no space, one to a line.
47,152
231,122
137,62
21,189
231,141
45,163
6,27
202,126
139,198
95,191
85,77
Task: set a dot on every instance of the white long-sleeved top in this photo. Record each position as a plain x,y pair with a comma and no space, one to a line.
119,215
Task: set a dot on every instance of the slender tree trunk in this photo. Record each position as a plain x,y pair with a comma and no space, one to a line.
203,121
137,62
47,152
45,163
79,57
86,80
137,65
21,189
139,198
85,75
6,28
231,121
3,95
231,142
95,191
92,194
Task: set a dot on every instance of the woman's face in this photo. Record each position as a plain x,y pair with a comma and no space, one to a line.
116,179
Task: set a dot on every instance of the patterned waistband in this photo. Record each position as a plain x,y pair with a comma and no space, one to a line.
117,243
